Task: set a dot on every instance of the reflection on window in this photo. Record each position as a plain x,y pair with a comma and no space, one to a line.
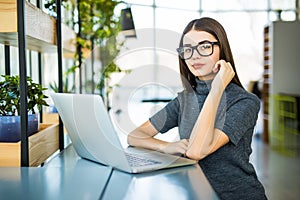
149,99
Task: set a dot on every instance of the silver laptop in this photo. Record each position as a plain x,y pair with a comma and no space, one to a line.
94,137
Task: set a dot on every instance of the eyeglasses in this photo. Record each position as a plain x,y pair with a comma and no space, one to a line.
204,48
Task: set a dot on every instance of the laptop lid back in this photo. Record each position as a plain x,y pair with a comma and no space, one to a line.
90,129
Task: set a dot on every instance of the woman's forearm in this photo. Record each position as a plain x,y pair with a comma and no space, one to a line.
144,141
143,136
203,137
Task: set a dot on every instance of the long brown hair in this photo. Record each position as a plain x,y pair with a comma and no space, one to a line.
216,29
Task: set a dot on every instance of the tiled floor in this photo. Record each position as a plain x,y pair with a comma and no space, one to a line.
279,174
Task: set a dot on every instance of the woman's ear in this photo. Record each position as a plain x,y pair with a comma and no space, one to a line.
216,67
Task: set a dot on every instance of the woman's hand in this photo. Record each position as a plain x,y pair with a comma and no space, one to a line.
224,73
178,147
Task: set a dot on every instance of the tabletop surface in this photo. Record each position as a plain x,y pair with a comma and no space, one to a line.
67,176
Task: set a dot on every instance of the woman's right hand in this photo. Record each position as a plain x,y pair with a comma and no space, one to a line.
224,74
175,148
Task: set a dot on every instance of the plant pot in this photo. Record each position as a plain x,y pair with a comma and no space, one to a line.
41,146
10,127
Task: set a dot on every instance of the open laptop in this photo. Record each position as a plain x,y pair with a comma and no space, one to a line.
94,137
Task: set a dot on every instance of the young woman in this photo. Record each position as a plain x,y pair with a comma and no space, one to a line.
214,114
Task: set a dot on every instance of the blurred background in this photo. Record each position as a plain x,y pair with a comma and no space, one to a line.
125,51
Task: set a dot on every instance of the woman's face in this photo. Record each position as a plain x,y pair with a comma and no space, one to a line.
201,66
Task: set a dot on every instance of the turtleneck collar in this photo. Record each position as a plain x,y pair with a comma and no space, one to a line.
203,87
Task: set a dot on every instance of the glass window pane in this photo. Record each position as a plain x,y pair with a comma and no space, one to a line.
142,16
14,60
2,68
187,4
246,40
288,15
32,65
217,5
175,20
282,4
282,15
139,2
273,16
141,100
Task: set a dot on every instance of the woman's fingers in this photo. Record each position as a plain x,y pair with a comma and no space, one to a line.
177,147
225,73
223,66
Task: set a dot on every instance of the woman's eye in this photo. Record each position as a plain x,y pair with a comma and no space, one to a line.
187,50
206,46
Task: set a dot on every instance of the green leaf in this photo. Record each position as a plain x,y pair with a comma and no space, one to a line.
10,95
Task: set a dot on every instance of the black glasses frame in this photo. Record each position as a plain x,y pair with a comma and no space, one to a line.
180,49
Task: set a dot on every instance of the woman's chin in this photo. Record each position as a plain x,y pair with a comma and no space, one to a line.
197,72
204,75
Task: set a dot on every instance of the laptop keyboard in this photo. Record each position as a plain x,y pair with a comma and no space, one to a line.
138,161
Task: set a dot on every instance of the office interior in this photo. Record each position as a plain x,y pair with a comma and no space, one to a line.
264,37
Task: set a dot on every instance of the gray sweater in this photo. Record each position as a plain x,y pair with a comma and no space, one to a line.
228,169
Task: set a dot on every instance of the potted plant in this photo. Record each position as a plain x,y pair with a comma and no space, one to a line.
10,130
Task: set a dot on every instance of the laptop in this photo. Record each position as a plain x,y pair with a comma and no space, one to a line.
94,137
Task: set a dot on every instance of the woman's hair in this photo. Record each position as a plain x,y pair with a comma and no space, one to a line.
216,29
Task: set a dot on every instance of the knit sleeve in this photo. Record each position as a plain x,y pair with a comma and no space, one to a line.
238,117
166,118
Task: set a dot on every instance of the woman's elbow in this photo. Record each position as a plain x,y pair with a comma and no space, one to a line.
135,138
130,140
195,155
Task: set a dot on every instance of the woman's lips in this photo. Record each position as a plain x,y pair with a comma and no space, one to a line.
198,66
